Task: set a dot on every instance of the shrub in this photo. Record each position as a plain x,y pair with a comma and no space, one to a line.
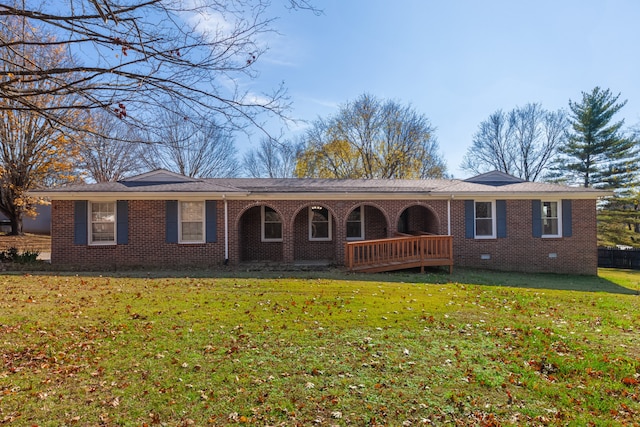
13,255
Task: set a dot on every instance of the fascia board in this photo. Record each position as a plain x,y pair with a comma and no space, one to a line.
573,195
118,195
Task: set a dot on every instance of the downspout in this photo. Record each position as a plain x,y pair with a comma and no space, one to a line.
226,230
449,215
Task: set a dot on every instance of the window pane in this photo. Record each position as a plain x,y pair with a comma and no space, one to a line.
484,227
192,232
272,230
483,209
270,215
320,223
320,230
320,214
191,211
102,232
550,226
550,209
103,218
103,212
354,229
354,223
550,222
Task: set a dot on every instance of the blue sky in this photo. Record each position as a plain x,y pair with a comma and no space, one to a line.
456,62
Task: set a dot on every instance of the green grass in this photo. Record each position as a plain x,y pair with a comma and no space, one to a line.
473,348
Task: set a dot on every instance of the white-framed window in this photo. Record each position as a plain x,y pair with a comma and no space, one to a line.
102,223
319,223
551,218
355,224
485,220
271,225
191,218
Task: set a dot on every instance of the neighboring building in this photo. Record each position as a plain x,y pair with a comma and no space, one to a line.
40,224
163,219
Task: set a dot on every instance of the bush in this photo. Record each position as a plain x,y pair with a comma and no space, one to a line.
13,255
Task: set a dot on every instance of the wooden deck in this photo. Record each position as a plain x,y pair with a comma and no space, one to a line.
398,253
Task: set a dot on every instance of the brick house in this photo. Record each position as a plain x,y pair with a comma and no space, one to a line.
159,218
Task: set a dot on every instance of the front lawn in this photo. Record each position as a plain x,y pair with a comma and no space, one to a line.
474,348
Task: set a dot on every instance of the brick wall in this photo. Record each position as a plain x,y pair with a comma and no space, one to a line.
147,246
520,251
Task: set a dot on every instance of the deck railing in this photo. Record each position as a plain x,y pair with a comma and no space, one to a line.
399,252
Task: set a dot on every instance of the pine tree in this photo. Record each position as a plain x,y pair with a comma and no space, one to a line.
598,153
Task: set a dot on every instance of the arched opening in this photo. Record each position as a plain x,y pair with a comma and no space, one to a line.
260,233
314,230
366,222
418,219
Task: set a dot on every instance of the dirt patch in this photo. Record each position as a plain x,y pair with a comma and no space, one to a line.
28,242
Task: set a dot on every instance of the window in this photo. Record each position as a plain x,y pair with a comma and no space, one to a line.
551,218
191,222
271,225
102,219
319,223
485,217
355,224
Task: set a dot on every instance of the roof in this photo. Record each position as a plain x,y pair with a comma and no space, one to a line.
161,184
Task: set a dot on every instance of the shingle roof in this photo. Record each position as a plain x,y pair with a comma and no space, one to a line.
198,186
497,184
315,185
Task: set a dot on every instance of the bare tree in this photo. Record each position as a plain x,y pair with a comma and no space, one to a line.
33,150
370,138
106,153
193,147
522,142
272,159
129,54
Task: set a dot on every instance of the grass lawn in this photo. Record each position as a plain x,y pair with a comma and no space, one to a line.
474,348
27,242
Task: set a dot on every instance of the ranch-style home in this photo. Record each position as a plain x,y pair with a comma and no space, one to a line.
163,219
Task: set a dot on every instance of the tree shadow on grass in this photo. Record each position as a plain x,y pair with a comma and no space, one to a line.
515,280
431,276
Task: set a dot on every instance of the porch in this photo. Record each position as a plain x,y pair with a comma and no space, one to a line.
399,253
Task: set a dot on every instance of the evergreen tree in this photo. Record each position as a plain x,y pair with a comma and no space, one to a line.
598,153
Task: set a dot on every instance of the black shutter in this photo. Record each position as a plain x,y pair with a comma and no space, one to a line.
567,229
80,222
122,214
536,218
501,218
211,220
171,231
469,219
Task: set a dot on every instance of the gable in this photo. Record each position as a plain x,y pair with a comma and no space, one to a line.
494,178
159,176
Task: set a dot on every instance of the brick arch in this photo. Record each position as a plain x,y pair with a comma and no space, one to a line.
248,225
242,211
304,206
305,249
374,228
416,217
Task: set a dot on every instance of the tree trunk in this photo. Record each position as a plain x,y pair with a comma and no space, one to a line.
16,225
